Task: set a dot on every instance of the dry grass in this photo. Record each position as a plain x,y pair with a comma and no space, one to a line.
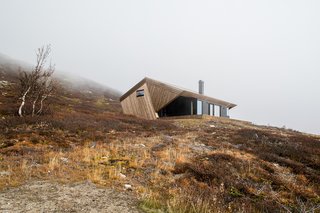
187,172
188,165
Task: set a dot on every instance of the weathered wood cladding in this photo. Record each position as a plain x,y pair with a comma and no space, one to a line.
161,95
157,96
139,106
133,89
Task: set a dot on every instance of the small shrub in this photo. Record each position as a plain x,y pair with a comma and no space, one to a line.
234,192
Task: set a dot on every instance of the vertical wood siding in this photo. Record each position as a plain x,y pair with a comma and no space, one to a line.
139,106
161,95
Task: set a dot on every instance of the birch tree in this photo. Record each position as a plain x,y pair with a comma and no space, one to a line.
26,86
45,87
37,85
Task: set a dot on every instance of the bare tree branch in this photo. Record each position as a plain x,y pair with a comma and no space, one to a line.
37,85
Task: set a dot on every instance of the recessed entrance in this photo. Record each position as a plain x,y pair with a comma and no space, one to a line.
180,106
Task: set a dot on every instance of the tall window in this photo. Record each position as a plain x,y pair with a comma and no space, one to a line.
224,112
199,107
211,110
217,110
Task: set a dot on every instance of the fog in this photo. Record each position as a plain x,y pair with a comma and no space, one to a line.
261,55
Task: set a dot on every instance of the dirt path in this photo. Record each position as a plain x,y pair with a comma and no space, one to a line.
53,197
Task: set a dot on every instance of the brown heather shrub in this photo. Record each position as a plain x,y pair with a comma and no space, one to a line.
239,168
231,182
300,153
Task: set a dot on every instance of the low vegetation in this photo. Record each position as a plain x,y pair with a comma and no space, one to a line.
190,165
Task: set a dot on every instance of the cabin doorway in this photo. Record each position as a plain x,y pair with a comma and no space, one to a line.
179,107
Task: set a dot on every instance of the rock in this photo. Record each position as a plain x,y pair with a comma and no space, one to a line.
179,176
127,187
238,146
201,147
167,138
158,147
212,126
65,160
122,176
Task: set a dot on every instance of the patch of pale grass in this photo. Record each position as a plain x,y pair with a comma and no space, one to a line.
97,175
53,163
26,168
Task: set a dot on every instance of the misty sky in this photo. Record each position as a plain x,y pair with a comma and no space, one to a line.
262,55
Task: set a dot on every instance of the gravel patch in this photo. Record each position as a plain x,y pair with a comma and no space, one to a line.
42,196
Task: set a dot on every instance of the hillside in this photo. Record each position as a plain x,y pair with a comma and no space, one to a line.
171,165
74,93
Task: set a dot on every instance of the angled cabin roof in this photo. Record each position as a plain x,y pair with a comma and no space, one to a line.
169,92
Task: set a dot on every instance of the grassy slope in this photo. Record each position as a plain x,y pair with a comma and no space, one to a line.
191,165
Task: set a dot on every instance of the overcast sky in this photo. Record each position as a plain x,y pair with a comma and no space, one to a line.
262,55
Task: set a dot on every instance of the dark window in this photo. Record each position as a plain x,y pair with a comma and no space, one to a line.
180,106
140,92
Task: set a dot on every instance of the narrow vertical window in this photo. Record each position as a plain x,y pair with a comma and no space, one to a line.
199,107
217,110
211,110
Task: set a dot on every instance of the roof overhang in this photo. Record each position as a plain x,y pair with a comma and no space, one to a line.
180,91
208,99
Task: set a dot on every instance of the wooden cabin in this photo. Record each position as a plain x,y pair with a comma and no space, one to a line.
151,99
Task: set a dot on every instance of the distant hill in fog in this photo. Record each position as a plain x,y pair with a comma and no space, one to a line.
9,69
